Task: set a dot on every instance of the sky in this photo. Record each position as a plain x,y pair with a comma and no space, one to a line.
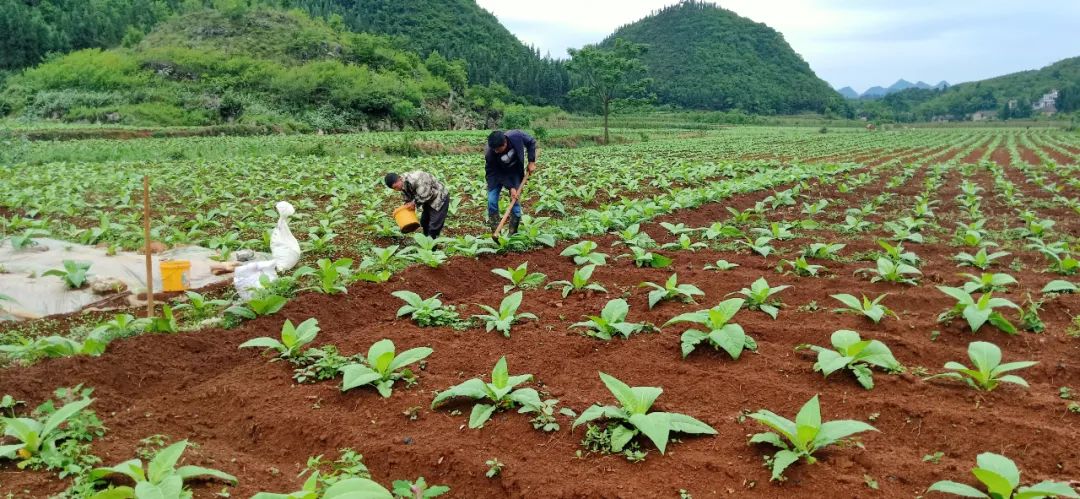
857,43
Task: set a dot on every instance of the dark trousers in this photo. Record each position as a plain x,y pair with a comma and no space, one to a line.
432,221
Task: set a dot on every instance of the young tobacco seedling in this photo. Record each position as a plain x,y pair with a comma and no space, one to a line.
987,282
1000,476
506,316
198,306
501,394
872,310
73,274
855,354
429,312
382,367
897,254
579,282
721,265
800,267
611,322
418,489
760,245
890,271
161,477
978,312
823,251
684,243
35,437
646,258
775,230
293,338
519,277
981,260
634,236
759,297
988,371
330,276
585,252
854,224
720,334
804,436
671,290
634,417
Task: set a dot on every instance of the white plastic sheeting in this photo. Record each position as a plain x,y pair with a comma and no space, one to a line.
38,295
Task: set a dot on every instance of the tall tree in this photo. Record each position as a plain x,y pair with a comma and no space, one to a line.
609,77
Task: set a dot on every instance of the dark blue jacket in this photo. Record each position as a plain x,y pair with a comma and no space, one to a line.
501,174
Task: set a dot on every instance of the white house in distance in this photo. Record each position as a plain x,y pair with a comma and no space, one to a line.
1047,104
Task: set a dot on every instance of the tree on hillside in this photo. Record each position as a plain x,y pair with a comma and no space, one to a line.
609,77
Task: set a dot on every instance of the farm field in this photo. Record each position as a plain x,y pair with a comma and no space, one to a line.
899,215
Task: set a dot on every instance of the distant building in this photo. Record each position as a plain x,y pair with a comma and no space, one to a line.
1047,104
985,115
943,118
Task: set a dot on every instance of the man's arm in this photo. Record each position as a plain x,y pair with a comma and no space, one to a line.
530,149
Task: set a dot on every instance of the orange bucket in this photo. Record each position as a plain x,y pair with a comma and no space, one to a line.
406,219
174,275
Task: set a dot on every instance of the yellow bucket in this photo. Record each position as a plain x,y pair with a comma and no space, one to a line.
406,219
174,275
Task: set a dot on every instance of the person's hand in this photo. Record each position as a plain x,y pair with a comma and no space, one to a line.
411,205
514,193
532,167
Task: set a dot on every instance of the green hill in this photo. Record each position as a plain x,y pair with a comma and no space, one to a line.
457,29
962,99
701,56
258,66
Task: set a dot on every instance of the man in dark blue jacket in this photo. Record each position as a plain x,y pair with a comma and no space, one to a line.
505,157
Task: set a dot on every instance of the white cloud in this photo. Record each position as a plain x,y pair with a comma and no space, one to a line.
847,42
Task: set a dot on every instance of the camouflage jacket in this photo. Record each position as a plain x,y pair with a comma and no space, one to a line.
424,189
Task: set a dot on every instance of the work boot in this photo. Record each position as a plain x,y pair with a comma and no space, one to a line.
493,221
515,221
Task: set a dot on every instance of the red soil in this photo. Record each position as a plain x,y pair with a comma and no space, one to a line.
252,421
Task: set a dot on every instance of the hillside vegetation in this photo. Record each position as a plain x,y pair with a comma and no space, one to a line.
992,94
258,66
704,57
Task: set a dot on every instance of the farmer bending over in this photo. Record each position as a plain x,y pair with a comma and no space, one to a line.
505,156
421,188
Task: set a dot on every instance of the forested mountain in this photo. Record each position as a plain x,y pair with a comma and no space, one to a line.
702,56
878,92
250,66
457,29
963,99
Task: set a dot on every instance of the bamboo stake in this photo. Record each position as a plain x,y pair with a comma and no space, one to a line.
149,257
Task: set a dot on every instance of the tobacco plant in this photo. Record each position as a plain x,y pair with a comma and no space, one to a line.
499,395
160,478
801,438
871,309
645,258
426,312
759,297
987,371
382,366
519,277
890,271
293,338
73,274
719,332
633,416
1000,477
585,252
855,354
506,316
987,282
671,290
579,282
978,312
980,260
611,322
